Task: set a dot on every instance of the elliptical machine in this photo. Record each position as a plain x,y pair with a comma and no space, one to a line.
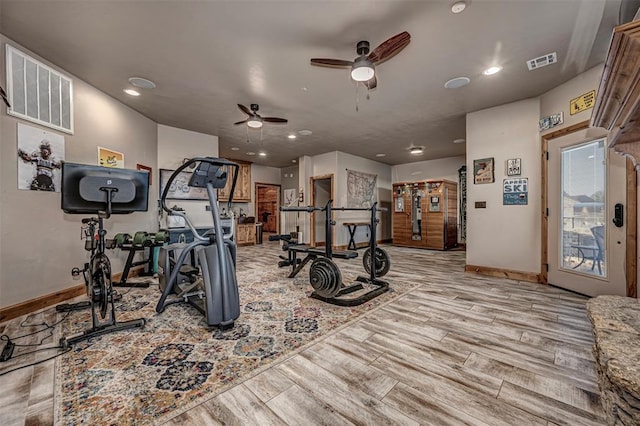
202,273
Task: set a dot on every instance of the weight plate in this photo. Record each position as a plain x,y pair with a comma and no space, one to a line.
325,277
382,262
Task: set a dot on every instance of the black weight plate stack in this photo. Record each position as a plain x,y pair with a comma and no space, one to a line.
325,277
382,262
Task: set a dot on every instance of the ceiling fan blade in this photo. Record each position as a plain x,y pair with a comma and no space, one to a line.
245,109
389,48
241,122
372,83
274,120
333,63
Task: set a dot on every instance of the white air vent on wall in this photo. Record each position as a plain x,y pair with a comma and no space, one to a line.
38,93
542,61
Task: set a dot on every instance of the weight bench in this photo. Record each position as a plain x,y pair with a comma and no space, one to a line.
324,274
311,254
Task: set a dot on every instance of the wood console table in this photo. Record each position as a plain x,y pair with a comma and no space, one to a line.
352,226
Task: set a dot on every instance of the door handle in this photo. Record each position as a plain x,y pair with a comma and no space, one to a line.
618,215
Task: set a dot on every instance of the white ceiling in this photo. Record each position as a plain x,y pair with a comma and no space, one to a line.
208,56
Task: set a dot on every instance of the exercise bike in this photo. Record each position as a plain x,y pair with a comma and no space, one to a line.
90,237
202,273
94,189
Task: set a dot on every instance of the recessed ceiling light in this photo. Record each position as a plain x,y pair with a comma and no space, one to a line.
251,153
459,141
294,161
380,155
416,150
235,148
305,132
131,92
458,7
142,83
457,82
262,154
292,136
492,70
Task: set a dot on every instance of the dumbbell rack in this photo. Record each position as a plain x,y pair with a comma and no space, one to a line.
141,241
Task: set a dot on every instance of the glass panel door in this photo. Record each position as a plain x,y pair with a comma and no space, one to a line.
583,208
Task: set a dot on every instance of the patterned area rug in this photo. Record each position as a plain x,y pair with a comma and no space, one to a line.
145,376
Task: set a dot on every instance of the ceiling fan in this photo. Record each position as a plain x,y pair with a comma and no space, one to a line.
255,120
363,67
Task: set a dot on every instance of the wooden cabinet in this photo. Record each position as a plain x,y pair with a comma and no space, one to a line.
243,185
618,103
425,214
245,234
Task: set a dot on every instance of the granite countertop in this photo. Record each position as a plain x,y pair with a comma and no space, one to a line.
616,326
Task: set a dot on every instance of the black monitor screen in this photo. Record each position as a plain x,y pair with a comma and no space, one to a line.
82,193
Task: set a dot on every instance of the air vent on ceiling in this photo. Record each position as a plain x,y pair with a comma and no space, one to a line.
542,61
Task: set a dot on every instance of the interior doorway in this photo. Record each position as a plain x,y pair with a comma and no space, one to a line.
267,206
588,220
321,193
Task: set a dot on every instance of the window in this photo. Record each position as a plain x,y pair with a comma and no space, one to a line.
38,93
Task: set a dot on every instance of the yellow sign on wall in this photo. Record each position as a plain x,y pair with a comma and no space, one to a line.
583,102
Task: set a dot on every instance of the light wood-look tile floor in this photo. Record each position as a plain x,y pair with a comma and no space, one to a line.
458,349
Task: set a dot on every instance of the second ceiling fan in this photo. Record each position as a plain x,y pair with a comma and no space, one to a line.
363,67
255,120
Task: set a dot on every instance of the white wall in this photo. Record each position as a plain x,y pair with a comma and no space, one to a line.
558,99
384,187
505,237
39,244
442,168
174,145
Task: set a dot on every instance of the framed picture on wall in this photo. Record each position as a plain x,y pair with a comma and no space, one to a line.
147,168
483,170
110,158
180,189
514,167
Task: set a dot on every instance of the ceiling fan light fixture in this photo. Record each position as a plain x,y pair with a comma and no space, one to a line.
254,123
362,69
